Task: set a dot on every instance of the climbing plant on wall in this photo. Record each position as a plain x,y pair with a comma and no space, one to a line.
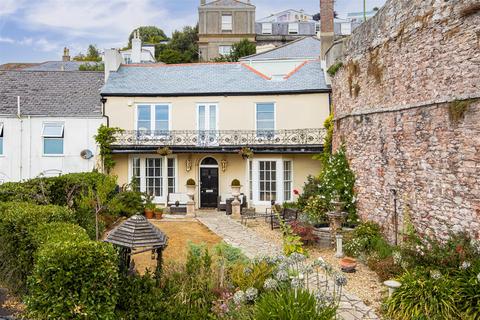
105,138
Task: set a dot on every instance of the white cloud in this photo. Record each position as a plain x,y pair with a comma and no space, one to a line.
9,6
6,40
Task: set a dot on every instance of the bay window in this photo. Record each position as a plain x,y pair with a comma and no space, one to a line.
270,180
155,175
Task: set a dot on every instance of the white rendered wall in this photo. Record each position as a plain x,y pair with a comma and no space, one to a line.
23,147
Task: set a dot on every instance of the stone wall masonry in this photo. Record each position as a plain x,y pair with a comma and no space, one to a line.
397,110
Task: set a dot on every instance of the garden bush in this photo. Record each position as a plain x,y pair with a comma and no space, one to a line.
424,295
467,283
251,275
290,304
365,238
18,241
73,280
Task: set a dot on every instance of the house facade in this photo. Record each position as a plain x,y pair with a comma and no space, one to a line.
191,121
223,23
48,120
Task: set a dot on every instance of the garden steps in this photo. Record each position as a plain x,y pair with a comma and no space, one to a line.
253,245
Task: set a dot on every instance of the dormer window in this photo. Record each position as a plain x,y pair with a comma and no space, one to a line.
226,22
293,28
266,28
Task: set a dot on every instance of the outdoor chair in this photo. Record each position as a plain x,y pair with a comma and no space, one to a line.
247,214
177,202
286,214
222,201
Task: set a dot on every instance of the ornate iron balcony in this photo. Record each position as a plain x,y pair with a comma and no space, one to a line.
221,138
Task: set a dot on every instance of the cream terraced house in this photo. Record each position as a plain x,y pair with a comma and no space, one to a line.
205,113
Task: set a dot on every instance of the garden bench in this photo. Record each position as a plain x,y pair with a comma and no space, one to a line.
177,202
286,214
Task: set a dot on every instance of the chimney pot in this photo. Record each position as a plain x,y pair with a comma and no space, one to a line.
326,25
202,2
66,54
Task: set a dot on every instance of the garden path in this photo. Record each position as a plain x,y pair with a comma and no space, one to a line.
254,245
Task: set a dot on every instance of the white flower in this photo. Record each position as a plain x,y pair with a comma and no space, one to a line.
478,277
340,280
239,297
435,274
270,284
397,257
251,294
465,265
296,283
282,275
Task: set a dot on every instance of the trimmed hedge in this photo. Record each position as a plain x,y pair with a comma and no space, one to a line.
18,223
74,280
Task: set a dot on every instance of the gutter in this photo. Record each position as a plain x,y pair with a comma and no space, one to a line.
213,94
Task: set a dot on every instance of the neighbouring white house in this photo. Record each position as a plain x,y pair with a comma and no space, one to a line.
138,53
48,120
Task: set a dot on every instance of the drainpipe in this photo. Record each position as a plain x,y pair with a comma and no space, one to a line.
30,147
19,116
395,215
104,100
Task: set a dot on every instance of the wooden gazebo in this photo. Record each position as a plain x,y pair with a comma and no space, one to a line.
137,235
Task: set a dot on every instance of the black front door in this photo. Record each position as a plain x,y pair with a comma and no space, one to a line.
208,187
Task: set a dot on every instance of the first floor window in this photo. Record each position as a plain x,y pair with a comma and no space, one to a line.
53,134
153,119
250,179
154,175
287,180
268,180
1,138
293,28
265,119
266,28
226,22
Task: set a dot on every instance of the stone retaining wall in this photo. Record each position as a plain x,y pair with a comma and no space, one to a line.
407,108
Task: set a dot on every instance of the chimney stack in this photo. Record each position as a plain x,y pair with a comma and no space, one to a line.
136,47
202,2
326,26
66,54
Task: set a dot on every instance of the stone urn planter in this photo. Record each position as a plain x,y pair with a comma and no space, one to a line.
336,218
191,186
235,185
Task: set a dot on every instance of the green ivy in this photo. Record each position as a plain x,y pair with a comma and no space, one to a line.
105,138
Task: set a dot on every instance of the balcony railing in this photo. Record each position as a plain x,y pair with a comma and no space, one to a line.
212,138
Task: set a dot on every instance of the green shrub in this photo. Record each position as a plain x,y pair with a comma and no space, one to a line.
229,254
316,209
73,280
18,224
235,183
310,188
423,295
287,304
34,191
467,282
365,238
139,298
253,274
129,202
56,232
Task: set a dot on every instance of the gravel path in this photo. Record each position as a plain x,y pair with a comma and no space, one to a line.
253,244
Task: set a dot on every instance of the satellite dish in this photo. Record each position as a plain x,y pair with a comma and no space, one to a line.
86,154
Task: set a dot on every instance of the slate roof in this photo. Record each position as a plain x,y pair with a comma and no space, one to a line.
306,47
58,66
51,93
227,3
137,232
210,79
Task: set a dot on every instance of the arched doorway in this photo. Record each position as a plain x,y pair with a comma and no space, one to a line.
208,183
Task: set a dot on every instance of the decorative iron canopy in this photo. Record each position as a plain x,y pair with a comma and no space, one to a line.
137,232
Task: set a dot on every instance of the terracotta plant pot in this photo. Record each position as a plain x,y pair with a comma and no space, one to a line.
158,215
148,214
348,264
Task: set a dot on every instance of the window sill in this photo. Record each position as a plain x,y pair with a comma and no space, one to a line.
53,155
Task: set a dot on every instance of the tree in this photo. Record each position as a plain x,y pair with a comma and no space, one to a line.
93,54
92,67
186,42
171,56
148,34
239,50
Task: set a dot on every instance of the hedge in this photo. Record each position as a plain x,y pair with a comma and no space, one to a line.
74,280
18,223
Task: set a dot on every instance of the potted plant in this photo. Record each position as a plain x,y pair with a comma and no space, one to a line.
158,213
165,151
149,206
191,188
235,187
246,153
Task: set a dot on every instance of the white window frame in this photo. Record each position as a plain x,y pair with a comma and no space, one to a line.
279,181
227,26
274,116
293,28
152,116
291,180
142,182
207,119
223,52
267,28
62,136
2,139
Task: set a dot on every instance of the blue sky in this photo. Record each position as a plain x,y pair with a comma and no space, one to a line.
37,30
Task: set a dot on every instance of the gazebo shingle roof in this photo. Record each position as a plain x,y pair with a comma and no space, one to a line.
137,232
